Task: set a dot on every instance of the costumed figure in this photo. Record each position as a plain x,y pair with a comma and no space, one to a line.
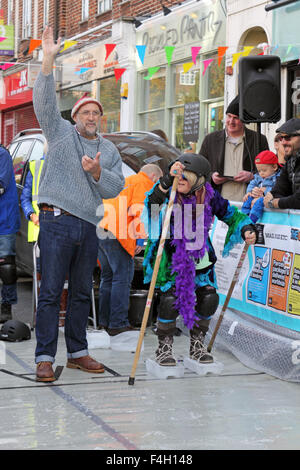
186,277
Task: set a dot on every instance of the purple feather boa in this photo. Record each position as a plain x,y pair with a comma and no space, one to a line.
183,260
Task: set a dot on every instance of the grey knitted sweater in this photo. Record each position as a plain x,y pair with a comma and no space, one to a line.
64,183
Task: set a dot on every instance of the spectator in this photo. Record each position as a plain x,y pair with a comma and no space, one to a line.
286,192
160,133
117,247
279,150
186,275
9,226
81,168
29,196
231,153
267,173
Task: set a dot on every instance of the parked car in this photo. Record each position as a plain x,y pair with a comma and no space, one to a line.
136,150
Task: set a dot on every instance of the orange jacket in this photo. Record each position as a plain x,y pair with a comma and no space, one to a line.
122,214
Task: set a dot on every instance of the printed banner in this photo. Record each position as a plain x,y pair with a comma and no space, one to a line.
269,283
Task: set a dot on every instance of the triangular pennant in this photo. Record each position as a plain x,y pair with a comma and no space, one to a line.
187,66
2,39
109,48
6,66
68,44
247,50
169,52
221,53
141,52
151,72
195,50
34,43
235,58
118,73
206,63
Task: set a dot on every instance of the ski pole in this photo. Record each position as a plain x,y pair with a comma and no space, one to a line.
228,296
153,279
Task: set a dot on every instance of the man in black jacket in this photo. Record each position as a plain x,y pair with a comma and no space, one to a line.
286,192
231,153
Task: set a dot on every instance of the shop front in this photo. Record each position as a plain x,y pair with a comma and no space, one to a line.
16,105
186,104
88,72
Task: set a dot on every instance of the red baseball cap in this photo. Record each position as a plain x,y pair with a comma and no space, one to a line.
266,157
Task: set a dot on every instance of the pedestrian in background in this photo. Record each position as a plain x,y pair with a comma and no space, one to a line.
29,196
80,170
286,192
231,153
9,226
119,231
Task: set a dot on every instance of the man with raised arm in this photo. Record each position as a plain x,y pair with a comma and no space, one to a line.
81,169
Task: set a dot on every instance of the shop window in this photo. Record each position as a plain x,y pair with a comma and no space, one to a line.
152,104
104,5
293,95
110,100
214,79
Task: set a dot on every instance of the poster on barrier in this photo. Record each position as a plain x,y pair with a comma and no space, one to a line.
269,283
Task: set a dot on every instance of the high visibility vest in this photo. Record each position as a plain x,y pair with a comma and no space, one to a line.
35,168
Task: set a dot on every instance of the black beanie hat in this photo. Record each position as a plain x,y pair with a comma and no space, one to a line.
233,107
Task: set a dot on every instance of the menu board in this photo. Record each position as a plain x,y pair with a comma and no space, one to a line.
191,121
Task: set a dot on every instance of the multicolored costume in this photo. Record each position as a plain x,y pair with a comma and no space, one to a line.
181,268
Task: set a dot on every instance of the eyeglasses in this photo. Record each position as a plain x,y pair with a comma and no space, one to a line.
88,113
288,137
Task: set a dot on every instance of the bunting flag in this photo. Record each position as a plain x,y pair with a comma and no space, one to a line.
195,50
2,39
34,43
247,50
141,52
206,63
235,58
118,73
169,52
151,72
187,66
7,65
68,44
221,53
109,48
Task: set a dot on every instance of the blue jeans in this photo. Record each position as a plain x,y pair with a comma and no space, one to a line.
7,248
68,250
117,270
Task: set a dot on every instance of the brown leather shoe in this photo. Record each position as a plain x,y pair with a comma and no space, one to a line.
86,363
44,372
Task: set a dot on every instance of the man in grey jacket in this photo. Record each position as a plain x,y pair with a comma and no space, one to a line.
81,169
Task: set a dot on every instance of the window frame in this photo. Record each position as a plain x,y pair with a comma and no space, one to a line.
85,10
26,20
105,8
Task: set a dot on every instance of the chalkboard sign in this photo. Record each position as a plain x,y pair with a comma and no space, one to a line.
191,121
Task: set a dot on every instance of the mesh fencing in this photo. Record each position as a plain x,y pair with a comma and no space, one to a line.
257,344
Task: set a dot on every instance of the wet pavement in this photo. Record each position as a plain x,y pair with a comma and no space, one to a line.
239,409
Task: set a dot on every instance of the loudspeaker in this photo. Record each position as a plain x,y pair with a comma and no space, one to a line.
259,89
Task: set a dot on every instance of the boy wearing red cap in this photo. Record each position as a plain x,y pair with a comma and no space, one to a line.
268,170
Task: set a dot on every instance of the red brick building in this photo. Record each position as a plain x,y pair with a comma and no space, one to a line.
84,67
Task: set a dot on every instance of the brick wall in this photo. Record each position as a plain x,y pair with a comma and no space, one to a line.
65,17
